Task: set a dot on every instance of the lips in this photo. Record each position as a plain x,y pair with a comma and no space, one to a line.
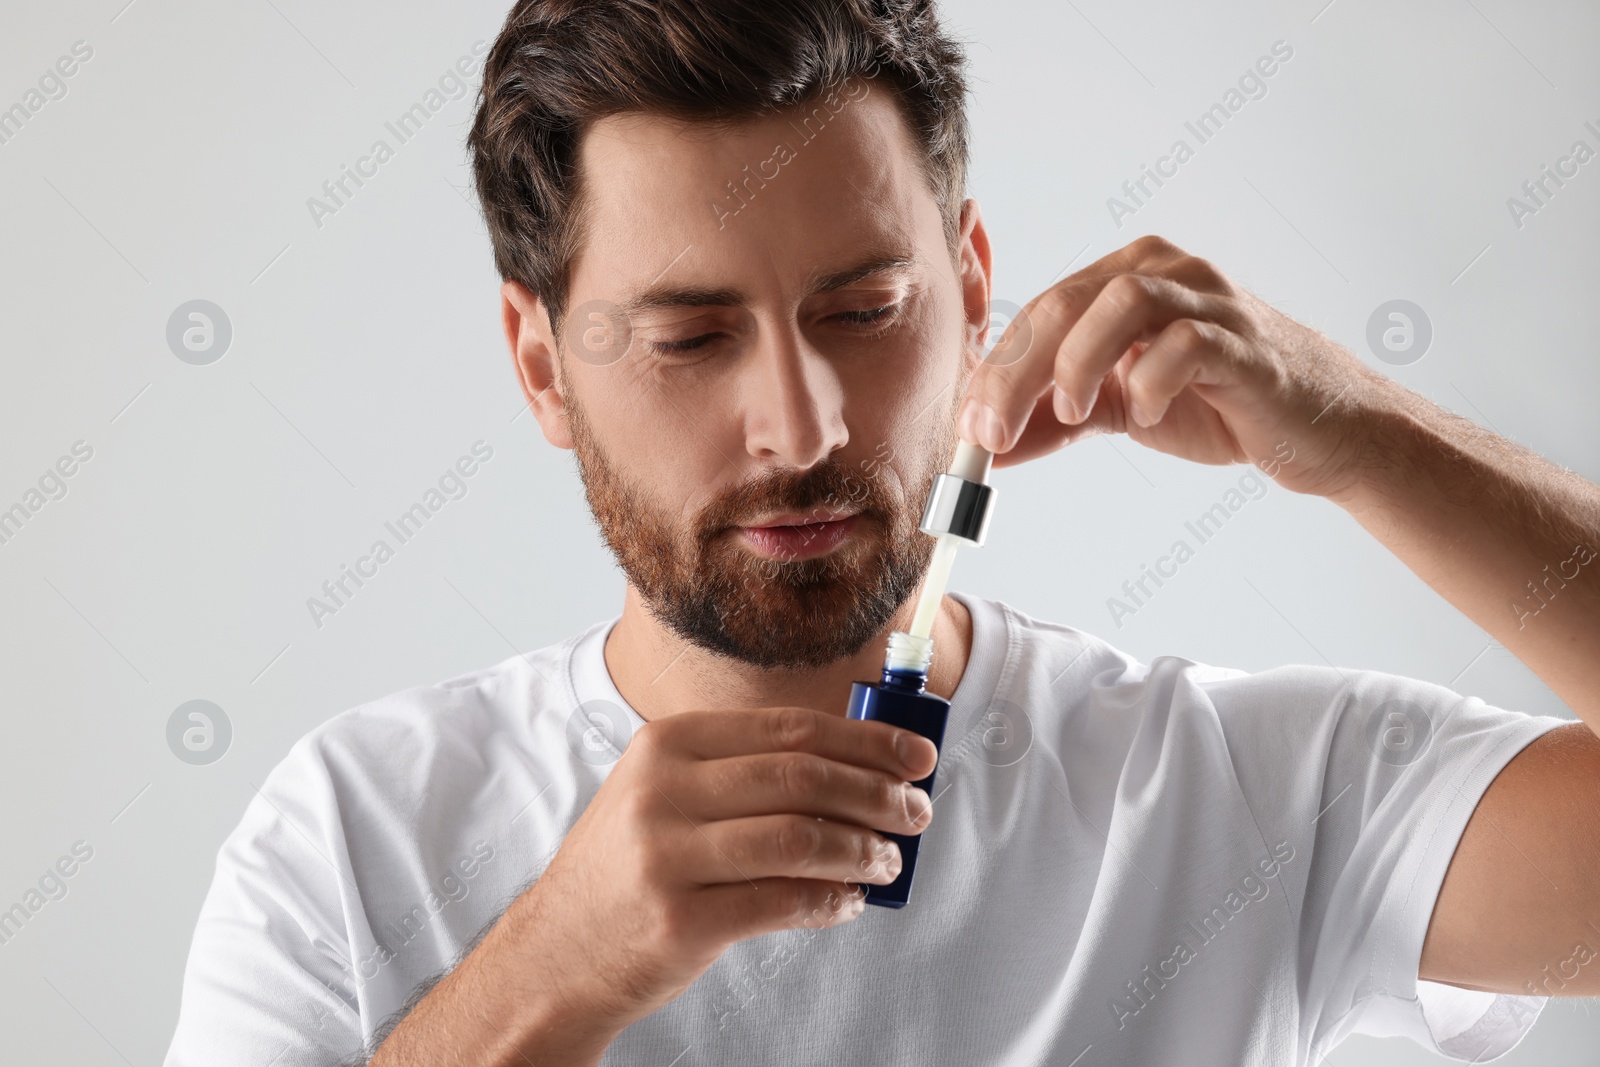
801,537
816,516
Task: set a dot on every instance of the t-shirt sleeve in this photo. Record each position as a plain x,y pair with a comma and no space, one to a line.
268,980
1377,775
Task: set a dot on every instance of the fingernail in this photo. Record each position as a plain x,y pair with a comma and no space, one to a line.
903,742
1066,411
1138,414
992,432
967,422
902,748
919,805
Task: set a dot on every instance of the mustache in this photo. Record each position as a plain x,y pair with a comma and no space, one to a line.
827,486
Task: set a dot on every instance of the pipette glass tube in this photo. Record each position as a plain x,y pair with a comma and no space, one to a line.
944,556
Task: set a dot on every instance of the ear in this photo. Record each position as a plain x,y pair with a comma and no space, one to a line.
533,353
976,273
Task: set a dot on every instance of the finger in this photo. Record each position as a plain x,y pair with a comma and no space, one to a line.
1131,308
1044,433
1026,359
793,846
713,735
1004,387
781,783
1188,352
1141,255
741,910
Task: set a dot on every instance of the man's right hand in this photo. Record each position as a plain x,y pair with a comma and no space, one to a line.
713,827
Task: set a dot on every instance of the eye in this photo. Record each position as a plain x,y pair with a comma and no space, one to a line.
688,344
878,316
868,316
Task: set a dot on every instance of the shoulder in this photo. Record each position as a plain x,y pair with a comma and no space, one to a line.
1076,666
421,741
1064,653
1290,691
1300,708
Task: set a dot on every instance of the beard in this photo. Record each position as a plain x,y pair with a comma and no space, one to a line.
707,588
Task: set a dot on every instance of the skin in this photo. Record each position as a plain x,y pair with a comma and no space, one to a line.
744,804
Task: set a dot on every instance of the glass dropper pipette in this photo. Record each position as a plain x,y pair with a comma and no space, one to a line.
957,514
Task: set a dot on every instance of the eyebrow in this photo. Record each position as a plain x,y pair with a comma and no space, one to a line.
676,296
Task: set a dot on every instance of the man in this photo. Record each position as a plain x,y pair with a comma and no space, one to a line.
744,285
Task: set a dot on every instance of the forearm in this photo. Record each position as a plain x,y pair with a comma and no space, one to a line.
1509,538
491,1011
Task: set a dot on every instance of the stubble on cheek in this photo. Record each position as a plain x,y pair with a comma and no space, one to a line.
697,578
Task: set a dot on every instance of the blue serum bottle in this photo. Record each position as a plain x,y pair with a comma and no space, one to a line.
901,699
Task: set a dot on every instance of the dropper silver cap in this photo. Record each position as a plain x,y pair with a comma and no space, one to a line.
961,501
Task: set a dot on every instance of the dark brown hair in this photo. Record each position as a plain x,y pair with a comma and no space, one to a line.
559,65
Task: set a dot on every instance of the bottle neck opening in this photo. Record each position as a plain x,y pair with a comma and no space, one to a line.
908,681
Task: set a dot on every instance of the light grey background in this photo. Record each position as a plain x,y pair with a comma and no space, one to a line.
366,357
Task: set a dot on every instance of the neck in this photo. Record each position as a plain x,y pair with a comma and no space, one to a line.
659,674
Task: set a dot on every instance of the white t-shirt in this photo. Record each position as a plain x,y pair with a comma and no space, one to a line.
1128,863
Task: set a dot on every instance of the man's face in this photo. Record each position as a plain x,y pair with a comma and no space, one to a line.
761,361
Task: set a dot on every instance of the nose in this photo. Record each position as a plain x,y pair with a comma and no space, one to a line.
795,415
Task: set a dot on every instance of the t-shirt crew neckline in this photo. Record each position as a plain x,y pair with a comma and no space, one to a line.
990,662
